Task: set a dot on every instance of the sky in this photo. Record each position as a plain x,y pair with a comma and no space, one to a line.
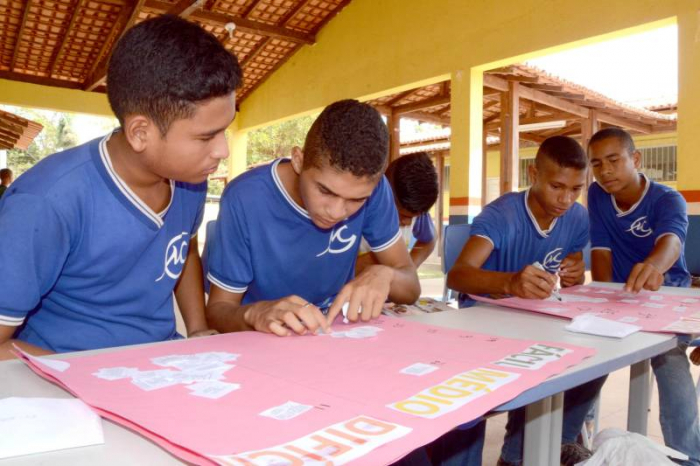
639,70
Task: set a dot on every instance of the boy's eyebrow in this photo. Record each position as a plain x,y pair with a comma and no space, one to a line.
338,195
218,130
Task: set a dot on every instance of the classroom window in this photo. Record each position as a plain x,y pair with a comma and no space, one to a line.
659,163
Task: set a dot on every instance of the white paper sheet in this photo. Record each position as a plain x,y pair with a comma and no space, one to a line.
588,323
36,425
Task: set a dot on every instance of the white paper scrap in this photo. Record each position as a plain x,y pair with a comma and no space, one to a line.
419,369
213,389
286,411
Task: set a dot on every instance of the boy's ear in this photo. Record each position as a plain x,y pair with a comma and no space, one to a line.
637,159
138,130
297,159
532,173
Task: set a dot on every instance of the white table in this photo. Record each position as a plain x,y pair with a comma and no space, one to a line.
544,402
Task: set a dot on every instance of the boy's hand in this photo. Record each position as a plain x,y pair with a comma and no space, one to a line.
368,292
644,276
203,333
531,283
571,271
290,313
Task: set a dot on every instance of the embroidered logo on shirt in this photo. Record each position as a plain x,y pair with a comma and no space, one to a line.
336,237
175,256
552,261
640,228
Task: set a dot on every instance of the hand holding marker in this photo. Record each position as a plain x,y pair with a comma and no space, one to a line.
555,292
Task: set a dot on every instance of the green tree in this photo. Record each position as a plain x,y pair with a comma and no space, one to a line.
277,140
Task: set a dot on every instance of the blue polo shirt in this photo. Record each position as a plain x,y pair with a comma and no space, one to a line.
87,264
267,247
518,241
631,235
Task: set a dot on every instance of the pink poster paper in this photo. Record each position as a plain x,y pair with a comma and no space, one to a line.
369,393
652,311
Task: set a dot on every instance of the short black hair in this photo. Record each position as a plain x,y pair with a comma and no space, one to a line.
614,132
164,66
5,173
415,182
349,136
566,152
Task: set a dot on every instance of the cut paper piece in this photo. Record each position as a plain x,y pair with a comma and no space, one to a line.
55,364
287,411
595,325
116,373
348,382
358,333
37,425
684,326
604,292
556,310
653,314
418,369
213,389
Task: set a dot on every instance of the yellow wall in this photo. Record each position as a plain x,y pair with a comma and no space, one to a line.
53,98
375,47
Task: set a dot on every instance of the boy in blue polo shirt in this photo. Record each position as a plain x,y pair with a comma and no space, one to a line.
95,239
638,230
414,182
288,233
544,225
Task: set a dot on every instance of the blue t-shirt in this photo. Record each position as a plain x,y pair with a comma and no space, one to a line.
267,247
630,236
423,228
518,240
86,264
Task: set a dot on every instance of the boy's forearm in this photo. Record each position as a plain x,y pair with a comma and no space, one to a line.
478,281
421,251
6,349
666,252
227,317
189,294
405,287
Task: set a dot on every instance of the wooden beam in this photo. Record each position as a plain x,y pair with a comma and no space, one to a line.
126,19
184,8
522,79
540,119
532,137
28,78
242,24
20,32
615,121
400,96
490,104
422,104
64,42
588,128
412,145
394,125
493,82
428,118
546,87
510,144
245,13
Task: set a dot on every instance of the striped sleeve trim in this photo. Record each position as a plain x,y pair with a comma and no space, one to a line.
224,286
389,243
487,239
11,321
666,234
